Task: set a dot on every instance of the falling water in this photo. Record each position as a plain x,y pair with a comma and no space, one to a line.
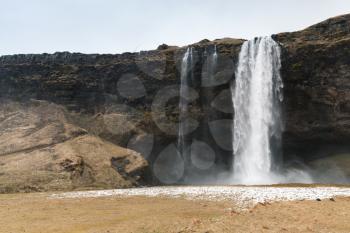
257,127
183,103
215,56
210,68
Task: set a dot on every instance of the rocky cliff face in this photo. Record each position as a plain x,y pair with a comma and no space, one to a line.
316,73
131,100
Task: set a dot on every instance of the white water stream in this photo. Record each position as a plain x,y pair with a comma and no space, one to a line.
257,120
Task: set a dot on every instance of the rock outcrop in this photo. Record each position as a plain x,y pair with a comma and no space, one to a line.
316,73
125,100
41,150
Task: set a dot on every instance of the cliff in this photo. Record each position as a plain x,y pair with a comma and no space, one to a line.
131,99
315,69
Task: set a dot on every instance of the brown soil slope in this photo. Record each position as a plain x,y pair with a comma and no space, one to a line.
41,150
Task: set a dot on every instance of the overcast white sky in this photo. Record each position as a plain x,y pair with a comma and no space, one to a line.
115,26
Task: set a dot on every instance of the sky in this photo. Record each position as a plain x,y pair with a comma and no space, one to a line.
116,26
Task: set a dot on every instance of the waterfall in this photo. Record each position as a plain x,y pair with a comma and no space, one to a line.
215,57
257,94
183,103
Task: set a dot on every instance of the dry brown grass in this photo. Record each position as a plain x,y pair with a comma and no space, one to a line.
35,213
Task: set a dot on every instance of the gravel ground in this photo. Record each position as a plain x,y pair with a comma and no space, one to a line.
242,196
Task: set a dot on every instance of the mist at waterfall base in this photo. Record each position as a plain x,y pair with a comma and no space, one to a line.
257,96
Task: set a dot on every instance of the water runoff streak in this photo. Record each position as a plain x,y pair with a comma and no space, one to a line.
183,103
257,94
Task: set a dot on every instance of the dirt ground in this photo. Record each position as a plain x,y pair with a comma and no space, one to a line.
36,213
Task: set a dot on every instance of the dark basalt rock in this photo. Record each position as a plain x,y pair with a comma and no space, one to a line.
316,74
315,70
